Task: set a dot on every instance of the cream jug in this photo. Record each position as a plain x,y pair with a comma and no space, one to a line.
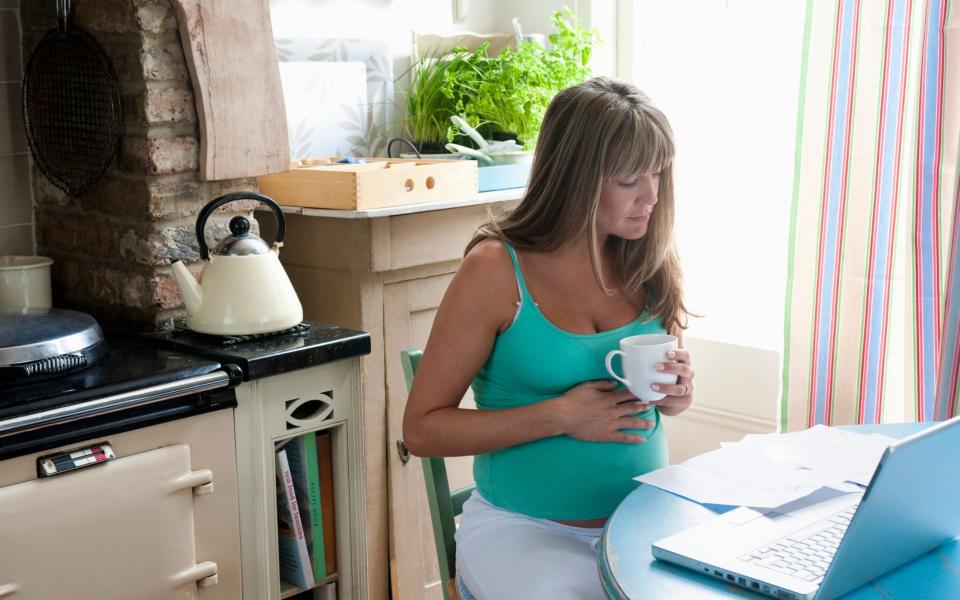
243,288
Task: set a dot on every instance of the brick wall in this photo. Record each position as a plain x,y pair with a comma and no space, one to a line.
112,246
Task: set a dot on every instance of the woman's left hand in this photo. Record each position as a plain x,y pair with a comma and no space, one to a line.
680,395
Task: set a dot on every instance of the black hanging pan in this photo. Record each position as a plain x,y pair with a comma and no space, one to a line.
71,106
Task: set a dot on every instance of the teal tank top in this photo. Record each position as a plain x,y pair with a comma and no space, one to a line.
558,477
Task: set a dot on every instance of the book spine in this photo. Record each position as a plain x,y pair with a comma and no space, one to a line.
290,495
325,467
301,451
286,538
316,511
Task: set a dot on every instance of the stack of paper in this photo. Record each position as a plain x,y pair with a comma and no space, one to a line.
766,471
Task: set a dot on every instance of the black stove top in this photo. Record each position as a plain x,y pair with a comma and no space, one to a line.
136,384
129,364
305,345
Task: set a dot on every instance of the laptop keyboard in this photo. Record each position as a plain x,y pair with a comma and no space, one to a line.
807,553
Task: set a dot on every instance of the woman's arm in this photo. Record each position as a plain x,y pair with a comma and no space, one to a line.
479,303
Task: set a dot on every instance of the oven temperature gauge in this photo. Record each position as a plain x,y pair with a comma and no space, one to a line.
62,462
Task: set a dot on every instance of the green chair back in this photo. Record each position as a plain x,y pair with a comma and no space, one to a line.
444,505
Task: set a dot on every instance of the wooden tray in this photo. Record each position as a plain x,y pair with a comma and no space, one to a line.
378,183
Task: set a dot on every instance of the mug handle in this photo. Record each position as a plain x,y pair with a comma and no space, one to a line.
609,363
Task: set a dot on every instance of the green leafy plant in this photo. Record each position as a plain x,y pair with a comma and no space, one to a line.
427,102
519,84
508,93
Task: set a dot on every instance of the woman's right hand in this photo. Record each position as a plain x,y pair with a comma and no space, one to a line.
596,411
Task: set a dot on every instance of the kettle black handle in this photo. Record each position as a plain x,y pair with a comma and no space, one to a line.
218,202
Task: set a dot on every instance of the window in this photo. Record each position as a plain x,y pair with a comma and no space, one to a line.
726,73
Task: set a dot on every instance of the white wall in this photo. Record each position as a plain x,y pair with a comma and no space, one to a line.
394,21
390,20
536,17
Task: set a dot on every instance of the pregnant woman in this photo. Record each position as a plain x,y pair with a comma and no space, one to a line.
542,295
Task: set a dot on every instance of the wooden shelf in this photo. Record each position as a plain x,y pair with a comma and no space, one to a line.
287,589
481,198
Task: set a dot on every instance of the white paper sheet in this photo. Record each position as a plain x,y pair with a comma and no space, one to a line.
707,488
766,471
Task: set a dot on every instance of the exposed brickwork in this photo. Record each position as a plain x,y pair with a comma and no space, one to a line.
113,246
155,17
158,156
162,58
105,16
164,105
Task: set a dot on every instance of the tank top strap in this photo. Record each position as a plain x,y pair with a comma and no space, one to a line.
521,284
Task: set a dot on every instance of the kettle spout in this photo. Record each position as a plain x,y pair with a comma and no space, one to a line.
189,288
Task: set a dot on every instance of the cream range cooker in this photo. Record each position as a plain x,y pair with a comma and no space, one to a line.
118,463
117,468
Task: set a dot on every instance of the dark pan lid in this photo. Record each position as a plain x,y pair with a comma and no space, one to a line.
44,334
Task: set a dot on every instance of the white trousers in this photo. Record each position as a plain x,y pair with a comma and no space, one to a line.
503,555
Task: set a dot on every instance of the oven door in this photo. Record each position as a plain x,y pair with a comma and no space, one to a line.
120,529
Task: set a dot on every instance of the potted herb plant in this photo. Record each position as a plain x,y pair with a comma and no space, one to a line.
439,86
519,83
503,96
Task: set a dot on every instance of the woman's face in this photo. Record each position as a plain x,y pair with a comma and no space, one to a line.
626,204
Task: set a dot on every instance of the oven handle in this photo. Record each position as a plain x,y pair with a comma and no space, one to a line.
108,404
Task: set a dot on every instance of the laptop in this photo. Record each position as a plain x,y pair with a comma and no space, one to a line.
827,548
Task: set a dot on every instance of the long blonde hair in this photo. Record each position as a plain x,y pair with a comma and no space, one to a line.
593,132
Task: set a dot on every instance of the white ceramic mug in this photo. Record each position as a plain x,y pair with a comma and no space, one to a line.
24,282
640,355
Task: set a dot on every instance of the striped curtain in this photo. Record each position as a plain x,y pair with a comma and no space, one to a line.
873,289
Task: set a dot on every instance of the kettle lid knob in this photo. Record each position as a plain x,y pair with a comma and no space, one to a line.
239,226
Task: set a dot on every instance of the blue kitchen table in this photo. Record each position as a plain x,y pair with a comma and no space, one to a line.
628,571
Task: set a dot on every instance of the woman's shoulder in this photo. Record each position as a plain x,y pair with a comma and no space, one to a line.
489,255
488,266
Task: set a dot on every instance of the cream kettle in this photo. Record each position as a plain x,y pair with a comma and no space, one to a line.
243,288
